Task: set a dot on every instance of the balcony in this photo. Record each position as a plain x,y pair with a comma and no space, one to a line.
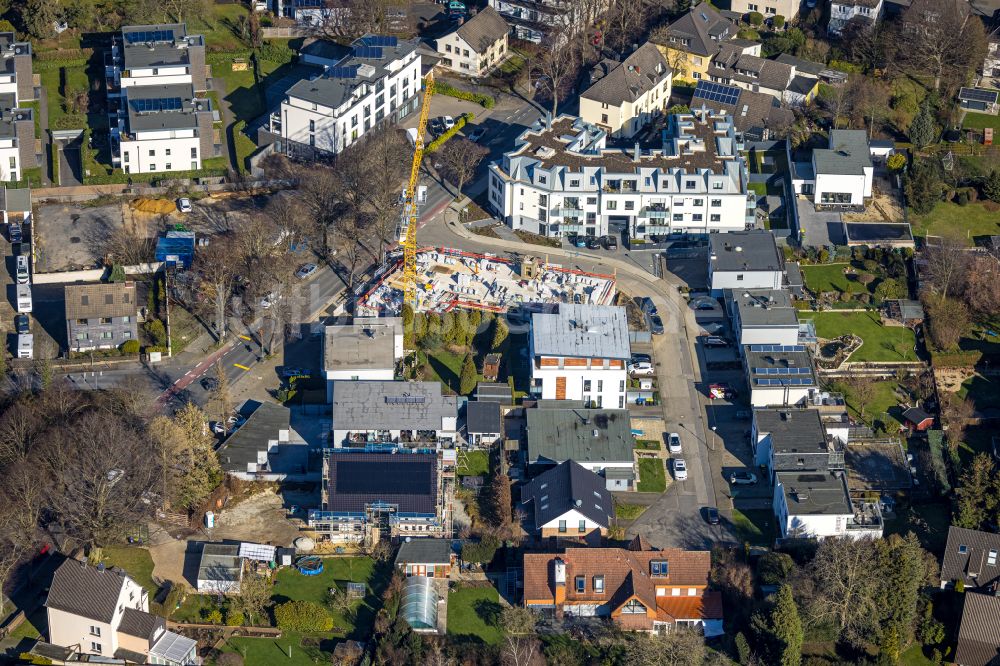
619,187
567,212
655,211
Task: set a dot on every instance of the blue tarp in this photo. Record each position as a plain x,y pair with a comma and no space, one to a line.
176,248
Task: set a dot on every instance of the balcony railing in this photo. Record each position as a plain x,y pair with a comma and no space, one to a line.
567,212
654,211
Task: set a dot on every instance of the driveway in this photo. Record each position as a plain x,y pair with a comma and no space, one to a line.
820,228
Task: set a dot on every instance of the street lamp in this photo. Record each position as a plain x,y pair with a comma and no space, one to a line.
714,435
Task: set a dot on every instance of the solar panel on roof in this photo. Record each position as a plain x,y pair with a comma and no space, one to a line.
157,104
342,72
717,92
372,52
777,348
380,40
978,95
143,36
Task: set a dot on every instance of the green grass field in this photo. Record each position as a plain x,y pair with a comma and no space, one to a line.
473,613
884,401
755,525
629,511
830,277
473,463
963,223
444,366
287,650
337,571
881,343
980,121
652,476
648,444
136,561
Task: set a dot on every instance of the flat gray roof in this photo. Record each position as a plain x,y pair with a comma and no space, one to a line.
220,562
744,251
161,45
814,493
588,331
792,430
368,342
847,155
764,307
260,429
16,200
390,405
424,551
178,109
584,435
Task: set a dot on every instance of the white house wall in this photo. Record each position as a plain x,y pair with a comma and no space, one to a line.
722,280
614,383
859,187
179,159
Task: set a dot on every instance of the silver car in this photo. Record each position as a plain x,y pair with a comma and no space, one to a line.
305,270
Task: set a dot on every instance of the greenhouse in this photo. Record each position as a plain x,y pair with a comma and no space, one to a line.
419,606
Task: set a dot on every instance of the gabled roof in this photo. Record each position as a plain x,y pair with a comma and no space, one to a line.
139,624
626,573
639,73
483,30
699,26
568,487
916,415
113,299
89,592
979,634
966,557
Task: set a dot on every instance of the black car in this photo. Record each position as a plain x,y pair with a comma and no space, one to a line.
209,383
610,243
655,325
639,358
711,515
22,324
593,243
15,233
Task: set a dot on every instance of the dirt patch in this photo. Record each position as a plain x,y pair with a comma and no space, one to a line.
950,380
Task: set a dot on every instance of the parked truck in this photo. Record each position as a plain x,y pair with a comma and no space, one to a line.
26,346
24,298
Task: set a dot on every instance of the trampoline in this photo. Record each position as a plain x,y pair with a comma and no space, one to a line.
310,566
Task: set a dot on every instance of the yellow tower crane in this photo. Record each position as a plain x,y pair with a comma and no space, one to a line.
410,214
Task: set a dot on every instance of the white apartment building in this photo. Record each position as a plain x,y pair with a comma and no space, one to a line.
392,412
477,46
769,8
377,81
762,316
547,20
626,96
162,129
103,612
843,12
367,348
16,77
779,375
156,55
816,505
562,179
839,176
17,140
580,352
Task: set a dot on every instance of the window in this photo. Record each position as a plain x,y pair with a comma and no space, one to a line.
354,121
581,584
591,201
574,182
107,335
95,631
600,386
963,549
380,100
125,158
447,48
126,320
658,568
621,386
312,125
168,152
699,202
81,322
675,591
678,217
465,52
716,203
604,118
991,559
368,110
739,278
105,320
715,218
82,336
612,205
194,153
168,166
13,162
586,386
152,167
717,186
152,153
692,592
599,584
127,334
562,526
95,647
634,607
697,217
691,184
194,166
583,526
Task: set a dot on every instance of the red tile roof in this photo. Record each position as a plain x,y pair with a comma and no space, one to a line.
708,607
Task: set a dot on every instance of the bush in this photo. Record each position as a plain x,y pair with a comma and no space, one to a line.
756,19
779,21
279,53
213,616
773,568
130,347
302,616
117,273
441,140
481,552
156,332
483,100
235,619
896,162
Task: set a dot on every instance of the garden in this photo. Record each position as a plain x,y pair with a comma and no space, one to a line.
880,343
652,476
964,223
473,614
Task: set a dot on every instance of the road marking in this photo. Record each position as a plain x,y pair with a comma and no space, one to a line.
175,383
246,337
241,367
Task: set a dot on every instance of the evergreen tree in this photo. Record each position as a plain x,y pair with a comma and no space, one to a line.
500,332
922,129
991,185
978,494
779,629
682,6
463,332
467,381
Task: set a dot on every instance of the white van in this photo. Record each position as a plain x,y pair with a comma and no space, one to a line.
23,275
26,345
24,298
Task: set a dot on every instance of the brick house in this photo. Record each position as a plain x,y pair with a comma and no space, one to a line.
100,316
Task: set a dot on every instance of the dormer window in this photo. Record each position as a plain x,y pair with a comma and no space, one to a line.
659,568
599,584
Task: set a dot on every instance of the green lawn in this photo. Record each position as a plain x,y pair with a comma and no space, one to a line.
881,343
760,189
473,613
291,585
884,401
755,525
136,561
629,511
268,651
914,656
652,476
473,463
830,277
980,121
964,223
648,444
983,391
444,366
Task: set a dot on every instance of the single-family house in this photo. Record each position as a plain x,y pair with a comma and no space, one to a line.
103,612
367,348
476,46
483,423
425,556
100,316
979,632
991,63
816,505
779,375
568,501
756,116
579,352
762,316
376,411
839,176
971,557
640,590
625,96
744,260
787,9
794,440
598,439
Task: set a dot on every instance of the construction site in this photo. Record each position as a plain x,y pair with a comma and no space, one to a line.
448,278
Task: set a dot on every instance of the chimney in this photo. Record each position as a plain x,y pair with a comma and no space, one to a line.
635,155
559,584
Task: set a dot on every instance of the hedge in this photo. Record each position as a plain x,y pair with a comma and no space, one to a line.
278,53
486,101
959,359
64,55
302,616
69,121
441,140
48,65
119,177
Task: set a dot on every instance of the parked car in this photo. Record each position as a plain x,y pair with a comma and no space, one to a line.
705,305
22,324
711,515
610,243
680,469
476,134
655,324
717,391
638,358
742,478
579,241
448,122
209,383
641,368
15,233
184,205
647,305
674,442
436,126
305,270
292,371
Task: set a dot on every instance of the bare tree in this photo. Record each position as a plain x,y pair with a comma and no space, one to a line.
348,239
842,571
217,265
461,158
869,99
254,595
20,426
942,40
956,415
947,264
191,469
624,22
862,389
386,161
519,640
556,69
982,289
